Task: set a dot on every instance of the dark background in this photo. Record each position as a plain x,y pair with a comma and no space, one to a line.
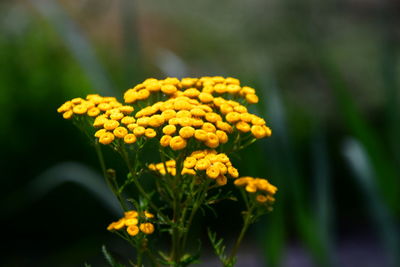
327,75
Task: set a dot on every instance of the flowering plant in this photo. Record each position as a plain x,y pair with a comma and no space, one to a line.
192,125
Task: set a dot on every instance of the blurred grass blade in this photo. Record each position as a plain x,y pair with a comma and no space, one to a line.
388,182
170,64
288,168
76,42
66,172
132,66
360,164
322,189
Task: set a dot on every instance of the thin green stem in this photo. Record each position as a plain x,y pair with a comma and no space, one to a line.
107,177
247,222
125,156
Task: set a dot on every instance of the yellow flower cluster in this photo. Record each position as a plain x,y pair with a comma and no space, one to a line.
263,189
215,166
203,88
92,106
131,222
202,109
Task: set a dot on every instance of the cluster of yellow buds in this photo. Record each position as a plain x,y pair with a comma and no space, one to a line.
92,106
204,88
215,166
263,189
134,223
191,108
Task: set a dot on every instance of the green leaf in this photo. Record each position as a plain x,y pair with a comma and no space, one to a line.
109,258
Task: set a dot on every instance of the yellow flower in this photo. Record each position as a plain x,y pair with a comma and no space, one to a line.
190,162
233,172
198,154
153,86
188,171
202,164
147,228
131,221
100,133
243,126
168,114
143,94
186,132
191,92
212,140
233,88
205,97
252,98
106,138
177,143
68,114
99,121
221,180
120,132
110,125
168,89
130,96
213,172
240,109
131,214
128,120
150,133
77,100
132,230
132,126
257,121
232,117
248,90
126,109
104,106
231,80
65,107
143,121
213,117
246,117
110,227
258,131
209,127
220,88
200,135
130,138
251,188
156,121
139,131
169,129
185,121
165,140
225,108
261,198
148,214
222,168
197,112
183,114
222,136
116,116
119,224
93,112
188,82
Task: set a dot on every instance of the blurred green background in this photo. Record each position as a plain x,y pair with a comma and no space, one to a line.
327,73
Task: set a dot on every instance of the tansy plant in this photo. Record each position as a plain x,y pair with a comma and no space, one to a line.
191,126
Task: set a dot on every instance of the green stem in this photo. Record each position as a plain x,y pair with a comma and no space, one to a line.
246,224
197,204
107,177
136,182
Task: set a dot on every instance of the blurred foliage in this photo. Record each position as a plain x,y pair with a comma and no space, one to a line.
327,71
